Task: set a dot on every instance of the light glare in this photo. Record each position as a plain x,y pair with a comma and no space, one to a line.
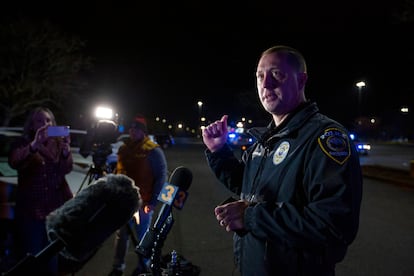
103,113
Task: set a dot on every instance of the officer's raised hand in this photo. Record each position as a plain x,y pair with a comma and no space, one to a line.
215,134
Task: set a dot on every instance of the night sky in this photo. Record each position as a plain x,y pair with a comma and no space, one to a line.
161,58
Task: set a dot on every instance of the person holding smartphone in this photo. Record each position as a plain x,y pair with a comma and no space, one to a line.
41,161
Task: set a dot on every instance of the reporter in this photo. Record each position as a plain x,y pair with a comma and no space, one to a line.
41,163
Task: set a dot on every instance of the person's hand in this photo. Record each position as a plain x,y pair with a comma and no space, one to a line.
40,137
215,134
230,215
148,208
66,146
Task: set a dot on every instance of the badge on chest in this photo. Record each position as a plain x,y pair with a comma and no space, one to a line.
281,153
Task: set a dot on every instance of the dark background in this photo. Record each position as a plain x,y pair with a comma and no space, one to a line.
159,58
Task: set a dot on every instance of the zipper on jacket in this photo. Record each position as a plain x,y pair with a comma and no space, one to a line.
258,172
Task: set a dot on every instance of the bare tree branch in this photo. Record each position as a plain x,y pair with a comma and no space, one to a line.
40,66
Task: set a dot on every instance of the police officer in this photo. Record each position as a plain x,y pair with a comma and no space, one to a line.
300,184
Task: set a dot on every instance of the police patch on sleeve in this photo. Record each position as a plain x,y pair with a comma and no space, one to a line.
335,144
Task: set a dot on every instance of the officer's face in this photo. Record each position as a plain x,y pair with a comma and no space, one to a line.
280,87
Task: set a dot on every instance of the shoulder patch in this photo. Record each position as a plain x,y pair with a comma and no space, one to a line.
334,143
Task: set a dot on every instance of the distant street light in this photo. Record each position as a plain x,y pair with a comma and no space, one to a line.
200,106
200,118
404,110
360,85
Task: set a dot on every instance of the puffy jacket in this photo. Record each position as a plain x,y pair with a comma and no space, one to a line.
145,163
304,184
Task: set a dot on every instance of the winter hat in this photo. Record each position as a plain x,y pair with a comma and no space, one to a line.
139,122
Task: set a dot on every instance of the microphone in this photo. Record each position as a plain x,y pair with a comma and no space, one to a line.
83,223
87,220
173,193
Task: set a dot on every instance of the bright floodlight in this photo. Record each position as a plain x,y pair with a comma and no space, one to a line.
360,84
103,113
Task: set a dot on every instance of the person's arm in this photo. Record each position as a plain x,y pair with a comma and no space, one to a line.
220,157
120,169
226,167
66,158
19,153
159,167
22,149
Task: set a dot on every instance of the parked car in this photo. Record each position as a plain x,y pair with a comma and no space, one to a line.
165,140
363,148
8,176
240,140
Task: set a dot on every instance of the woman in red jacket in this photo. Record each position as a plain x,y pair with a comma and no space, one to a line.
42,163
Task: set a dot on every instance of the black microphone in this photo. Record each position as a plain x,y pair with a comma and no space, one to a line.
82,224
173,193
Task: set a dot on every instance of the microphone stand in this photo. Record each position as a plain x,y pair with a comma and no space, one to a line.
158,244
31,261
152,242
135,241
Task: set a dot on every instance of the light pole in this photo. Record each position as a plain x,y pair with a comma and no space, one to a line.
360,85
200,107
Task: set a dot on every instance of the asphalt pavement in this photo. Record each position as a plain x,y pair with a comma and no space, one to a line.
387,174
195,234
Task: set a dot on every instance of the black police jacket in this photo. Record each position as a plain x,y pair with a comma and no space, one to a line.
304,184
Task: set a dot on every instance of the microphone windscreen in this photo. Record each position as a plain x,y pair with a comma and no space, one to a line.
86,221
181,177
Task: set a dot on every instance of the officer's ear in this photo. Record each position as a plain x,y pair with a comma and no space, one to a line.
302,79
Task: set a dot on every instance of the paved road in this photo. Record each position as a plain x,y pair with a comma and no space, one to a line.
385,242
383,247
396,156
195,233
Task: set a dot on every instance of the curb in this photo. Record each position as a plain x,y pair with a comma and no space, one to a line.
396,176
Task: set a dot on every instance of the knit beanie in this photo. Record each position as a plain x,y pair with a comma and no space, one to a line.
139,122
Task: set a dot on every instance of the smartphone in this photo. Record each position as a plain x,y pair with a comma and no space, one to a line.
58,131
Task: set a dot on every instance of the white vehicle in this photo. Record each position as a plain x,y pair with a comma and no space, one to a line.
8,176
